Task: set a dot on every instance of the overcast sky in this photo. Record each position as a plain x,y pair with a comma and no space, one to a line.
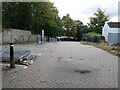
83,9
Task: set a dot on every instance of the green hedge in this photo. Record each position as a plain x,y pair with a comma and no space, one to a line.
93,37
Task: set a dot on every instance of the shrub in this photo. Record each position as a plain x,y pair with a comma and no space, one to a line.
93,37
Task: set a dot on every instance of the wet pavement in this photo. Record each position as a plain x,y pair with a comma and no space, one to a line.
64,65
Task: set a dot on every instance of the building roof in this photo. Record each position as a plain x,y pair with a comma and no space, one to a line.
114,24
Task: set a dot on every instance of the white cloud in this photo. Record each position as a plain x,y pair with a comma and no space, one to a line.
83,9
114,19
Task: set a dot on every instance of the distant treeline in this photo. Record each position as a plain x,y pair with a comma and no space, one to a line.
32,16
38,16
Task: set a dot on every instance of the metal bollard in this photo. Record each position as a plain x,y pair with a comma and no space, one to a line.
12,62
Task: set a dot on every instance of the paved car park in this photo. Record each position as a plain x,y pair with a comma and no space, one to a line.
64,65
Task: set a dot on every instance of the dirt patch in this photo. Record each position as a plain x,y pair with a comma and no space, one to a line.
59,58
50,51
82,71
6,68
81,59
70,57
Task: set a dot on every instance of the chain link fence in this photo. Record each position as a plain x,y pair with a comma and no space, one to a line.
21,39
21,36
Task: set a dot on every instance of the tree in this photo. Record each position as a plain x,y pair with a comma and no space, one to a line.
16,15
97,22
42,16
70,26
81,29
56,30
32,16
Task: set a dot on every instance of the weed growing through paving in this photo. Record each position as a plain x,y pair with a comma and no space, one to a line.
113,49
6,68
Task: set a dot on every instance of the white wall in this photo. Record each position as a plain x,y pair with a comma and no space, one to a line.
113,30
113,38
106,30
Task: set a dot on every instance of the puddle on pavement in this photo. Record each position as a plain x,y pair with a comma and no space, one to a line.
82,71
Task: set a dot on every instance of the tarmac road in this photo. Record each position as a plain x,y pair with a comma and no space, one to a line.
65,65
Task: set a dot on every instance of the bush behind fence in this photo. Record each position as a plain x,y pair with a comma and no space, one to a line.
93,37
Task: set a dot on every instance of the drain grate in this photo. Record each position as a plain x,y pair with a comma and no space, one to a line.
82,71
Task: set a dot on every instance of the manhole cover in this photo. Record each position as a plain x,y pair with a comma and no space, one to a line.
82,71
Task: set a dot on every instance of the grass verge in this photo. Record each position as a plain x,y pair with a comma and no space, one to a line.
113,49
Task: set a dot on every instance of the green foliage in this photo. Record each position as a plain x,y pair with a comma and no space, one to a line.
95,25
113,49
81,29
38,16
70,26
93,37
32,16
16,15
98,21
